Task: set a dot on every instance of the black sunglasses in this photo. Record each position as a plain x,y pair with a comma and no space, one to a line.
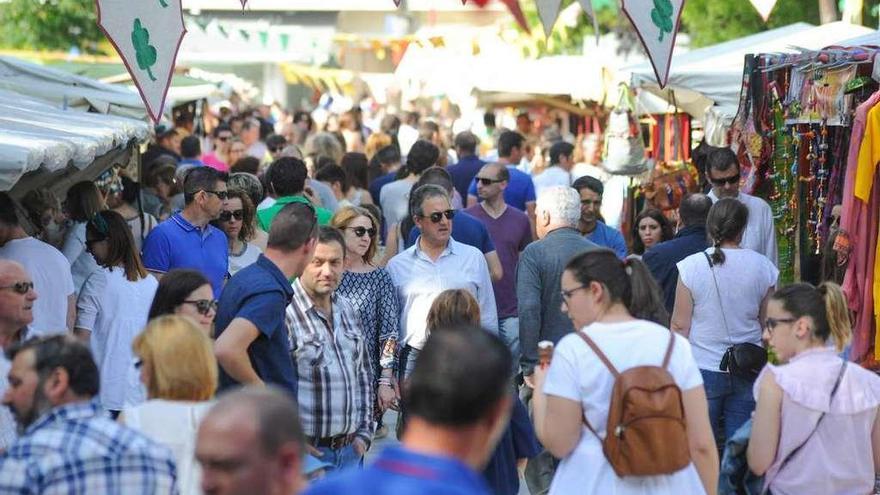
223,195
487,182
360,231
275,149
20,287
438,215
227,215
203,306
725,180
223,138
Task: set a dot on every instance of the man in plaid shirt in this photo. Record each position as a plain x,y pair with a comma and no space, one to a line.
335,378
70,445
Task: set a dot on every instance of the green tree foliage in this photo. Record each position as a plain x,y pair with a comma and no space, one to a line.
713,21
49,25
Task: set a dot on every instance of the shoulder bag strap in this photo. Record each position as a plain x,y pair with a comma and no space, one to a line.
794,452
668,355
607,364
718,295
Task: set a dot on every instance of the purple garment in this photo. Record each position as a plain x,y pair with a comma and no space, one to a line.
838,458
511,233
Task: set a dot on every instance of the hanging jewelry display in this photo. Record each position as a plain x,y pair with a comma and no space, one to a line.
782,175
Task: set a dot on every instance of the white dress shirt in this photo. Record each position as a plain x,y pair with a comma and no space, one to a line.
419,281
760,234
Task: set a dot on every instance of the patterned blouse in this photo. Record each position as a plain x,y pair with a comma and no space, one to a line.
374,298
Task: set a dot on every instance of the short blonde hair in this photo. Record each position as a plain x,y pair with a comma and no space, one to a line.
343,218
179,359
376,142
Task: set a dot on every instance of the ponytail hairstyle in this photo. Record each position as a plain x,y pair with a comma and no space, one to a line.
726,222
825,305
628,282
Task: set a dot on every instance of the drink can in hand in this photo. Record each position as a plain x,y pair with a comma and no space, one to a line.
545,353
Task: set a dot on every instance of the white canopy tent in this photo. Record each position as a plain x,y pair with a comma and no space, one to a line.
706,82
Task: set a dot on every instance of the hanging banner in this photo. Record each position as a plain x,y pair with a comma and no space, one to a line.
764,7
516,11
548,11
656,22
146,35
587,5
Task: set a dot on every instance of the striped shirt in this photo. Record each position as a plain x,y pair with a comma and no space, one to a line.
335,377
77,449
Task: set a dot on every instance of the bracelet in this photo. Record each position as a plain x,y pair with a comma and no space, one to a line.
385,381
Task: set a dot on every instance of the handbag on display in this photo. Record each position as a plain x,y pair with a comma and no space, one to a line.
669,183
624,151
745,360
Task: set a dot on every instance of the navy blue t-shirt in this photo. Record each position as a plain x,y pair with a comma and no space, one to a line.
465,229
378,182
260,293
519,442
464,172
520,189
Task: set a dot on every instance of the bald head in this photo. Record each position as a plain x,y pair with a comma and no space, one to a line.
17,296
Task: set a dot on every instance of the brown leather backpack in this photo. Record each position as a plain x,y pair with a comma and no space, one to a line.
646,433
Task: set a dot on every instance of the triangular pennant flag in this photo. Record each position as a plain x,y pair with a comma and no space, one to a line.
764,7
147,36
243,3
587,5
516,10
548,11
264,38
285,41
397,3
656,22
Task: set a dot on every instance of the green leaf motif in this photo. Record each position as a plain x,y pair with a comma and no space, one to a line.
661,16
163,3
146,53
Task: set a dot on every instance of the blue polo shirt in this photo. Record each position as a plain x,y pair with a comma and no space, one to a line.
466,229
399,471
260,293
176,243
608,237
520,189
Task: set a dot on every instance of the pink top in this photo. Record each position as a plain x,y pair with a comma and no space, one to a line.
211,160
838,459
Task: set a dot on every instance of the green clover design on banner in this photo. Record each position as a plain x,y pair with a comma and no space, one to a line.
146,53
163,3
661,16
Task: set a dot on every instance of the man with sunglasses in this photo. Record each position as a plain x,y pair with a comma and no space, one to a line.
17,297
511,232
723,172
55,311
187,239
436,262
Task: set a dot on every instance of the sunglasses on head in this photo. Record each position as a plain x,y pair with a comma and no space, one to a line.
203,306
487,181
20,287
227,215
438,215
725,180
360,231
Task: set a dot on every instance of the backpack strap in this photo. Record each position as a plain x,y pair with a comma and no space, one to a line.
599,353
668,355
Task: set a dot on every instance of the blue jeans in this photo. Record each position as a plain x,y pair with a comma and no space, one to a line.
731,403
341,458
508,330
407,363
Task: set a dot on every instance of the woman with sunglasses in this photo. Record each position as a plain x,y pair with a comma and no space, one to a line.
370,290
186,293
219,159
816,410
237,221
112,307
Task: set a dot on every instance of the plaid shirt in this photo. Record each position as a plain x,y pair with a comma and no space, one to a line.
335,377
76,449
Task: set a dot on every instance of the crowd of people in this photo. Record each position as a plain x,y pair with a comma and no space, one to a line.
240,321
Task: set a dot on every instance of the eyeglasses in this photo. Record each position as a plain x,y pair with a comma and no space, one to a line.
360,231
20,287
438,215
223,138
770,323
203,306
734,179
227,215
275,149
487,181
222,195
566,294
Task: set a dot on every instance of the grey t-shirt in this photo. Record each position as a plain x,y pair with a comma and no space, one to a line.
394,199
